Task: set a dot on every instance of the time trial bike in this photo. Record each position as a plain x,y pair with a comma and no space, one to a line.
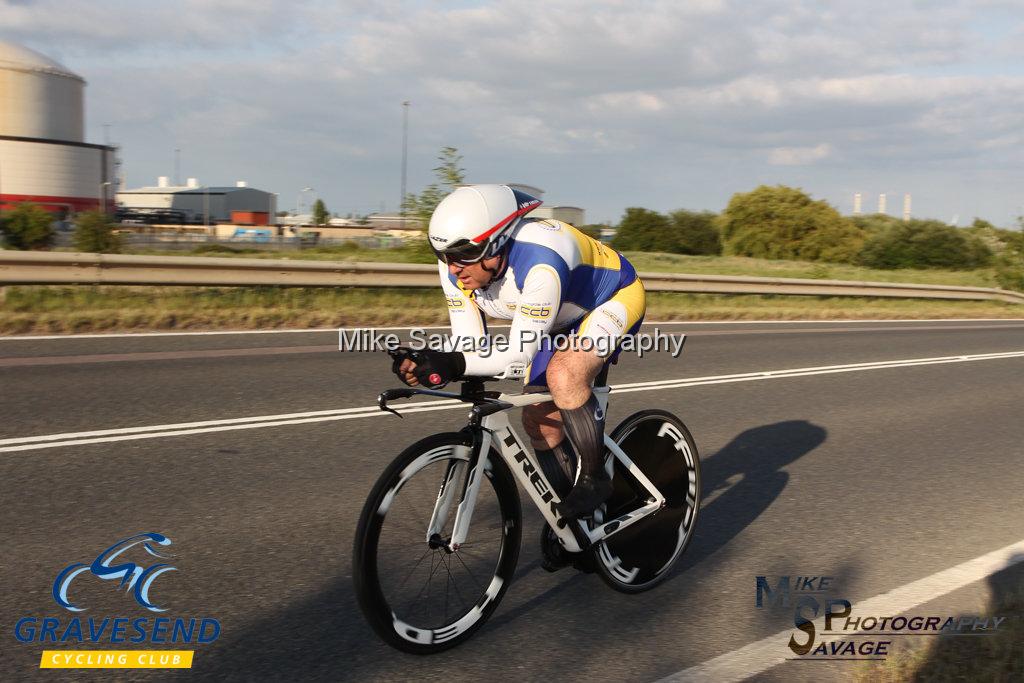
438,538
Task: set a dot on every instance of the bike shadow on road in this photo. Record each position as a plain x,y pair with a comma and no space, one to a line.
741,481
738,483
326,637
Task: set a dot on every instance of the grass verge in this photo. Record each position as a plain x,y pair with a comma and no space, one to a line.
60,310
742,265
995,657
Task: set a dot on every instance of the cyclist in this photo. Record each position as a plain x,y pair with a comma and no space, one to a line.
549,279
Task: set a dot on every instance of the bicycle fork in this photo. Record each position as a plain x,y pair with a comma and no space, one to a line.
467,495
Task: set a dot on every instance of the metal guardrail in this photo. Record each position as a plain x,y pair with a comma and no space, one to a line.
20,267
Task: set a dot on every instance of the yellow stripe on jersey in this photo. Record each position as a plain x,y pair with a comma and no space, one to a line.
593,253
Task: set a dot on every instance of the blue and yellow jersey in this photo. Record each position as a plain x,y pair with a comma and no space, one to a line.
554,277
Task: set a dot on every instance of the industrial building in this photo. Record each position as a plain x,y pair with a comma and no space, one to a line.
573,215
44,158
192,203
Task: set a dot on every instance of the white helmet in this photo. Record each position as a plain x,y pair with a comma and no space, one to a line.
475,221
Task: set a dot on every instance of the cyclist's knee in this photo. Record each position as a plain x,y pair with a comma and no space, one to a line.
569,376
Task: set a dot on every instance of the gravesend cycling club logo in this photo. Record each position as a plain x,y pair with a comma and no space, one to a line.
136,577
131,565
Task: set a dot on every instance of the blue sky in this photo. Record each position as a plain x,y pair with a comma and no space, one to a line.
605,104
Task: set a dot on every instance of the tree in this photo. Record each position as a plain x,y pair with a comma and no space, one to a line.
27,226
643,230
785,223
320,214
681,232
874,222
695,233
449,176
94,232
925,244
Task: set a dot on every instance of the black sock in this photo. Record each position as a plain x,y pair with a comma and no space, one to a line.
567,459
550,463
584,426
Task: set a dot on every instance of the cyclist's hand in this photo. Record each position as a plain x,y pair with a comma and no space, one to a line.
405,373
434,369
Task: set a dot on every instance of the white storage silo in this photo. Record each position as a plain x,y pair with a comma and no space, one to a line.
43,154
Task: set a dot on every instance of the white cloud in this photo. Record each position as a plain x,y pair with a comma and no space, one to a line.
616,103
799,156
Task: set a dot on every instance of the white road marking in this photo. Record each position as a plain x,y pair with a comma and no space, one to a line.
28,443
769,652
130,335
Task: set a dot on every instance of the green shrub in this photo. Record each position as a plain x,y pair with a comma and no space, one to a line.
1010,276
643,230
874,222
94,232
785,223
695,233
27,226
681,232
924,244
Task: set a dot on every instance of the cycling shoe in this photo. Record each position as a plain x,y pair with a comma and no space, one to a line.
553,555
588,493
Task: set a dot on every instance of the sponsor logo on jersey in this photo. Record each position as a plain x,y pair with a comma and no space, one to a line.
455,301
540,312
615,319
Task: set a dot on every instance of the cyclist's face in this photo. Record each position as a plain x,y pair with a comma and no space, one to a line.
475,275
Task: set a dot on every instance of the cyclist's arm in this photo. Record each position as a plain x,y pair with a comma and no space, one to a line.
467,320
533,318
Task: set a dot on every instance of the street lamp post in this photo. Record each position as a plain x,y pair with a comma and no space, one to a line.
298,201
405,157
103,195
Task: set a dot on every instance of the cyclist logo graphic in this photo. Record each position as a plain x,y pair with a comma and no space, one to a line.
133,577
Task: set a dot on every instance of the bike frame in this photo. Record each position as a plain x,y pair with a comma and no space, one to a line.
493,430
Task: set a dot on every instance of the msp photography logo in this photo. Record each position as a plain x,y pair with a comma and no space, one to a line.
130,570
828,630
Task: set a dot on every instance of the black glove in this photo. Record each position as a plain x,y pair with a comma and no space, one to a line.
433,369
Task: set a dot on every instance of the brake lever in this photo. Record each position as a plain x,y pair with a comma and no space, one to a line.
382,403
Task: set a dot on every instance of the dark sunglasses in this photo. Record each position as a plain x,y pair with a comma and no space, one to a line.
462,253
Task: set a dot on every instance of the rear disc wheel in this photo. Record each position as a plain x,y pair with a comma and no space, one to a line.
641,556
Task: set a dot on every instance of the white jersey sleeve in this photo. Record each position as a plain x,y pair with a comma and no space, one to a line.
468,329
534,317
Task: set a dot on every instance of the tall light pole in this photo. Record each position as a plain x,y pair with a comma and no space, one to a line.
298,201
405,158
103,195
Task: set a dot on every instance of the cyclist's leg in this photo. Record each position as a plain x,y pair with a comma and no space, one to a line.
570,375
543,424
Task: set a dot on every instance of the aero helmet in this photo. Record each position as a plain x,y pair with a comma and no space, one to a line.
475,221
